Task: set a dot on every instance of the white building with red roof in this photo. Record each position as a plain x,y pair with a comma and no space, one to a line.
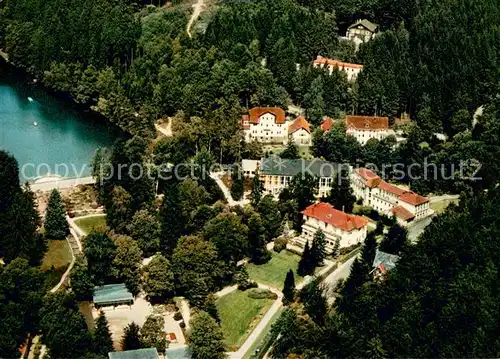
388,199
346,228
364,128
299,131
266,125
351,70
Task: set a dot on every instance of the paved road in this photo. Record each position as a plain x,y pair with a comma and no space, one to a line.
341,272
227,193
418,228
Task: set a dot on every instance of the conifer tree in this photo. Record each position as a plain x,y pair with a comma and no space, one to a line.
56,226
237,188
336,247
101,339
289,288
131,339
256,194
318,250
369,249
306,264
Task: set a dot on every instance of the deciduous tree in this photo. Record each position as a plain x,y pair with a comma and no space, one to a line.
205,338
158,279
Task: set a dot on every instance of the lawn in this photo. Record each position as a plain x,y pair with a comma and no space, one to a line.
273,273
56,261
239,314
89,223
58,255
441,206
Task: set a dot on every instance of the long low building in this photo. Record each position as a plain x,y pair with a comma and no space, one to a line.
346,229
388,199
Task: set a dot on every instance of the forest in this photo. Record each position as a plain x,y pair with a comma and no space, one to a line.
134,63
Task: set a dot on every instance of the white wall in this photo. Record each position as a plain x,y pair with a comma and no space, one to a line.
311,225
267,130
301,137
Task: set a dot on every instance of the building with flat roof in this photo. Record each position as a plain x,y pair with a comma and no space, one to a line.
112,294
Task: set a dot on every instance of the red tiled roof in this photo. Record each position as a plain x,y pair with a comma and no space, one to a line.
299,123
371,178
325,212
256,112
413,198
367,122
323,60
403,213
391,188
327,123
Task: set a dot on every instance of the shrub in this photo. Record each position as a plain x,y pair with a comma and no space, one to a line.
177,316
247,285
359,202
182,324
261,293
280,244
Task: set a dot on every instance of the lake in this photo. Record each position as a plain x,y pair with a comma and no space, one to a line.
47,135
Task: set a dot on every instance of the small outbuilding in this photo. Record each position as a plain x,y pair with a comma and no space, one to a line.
112,294
146,353
384,262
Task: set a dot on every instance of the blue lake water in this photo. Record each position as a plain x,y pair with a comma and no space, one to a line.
64,139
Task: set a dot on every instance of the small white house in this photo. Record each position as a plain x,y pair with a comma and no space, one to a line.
339,226
364,128
351,70
361,31
299,132
265,125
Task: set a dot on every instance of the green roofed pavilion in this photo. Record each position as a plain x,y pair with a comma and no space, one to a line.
149,353
112,294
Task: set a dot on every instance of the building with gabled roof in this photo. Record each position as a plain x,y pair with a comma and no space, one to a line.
338,226
299,131
364,128
361,31
351,70
384,262
387,198
266,125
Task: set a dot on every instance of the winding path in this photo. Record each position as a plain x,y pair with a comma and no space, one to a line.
197,9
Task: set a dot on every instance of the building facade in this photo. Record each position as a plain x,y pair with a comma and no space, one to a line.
364,128
387,199
361,31
276,174
265,125
351,70
299,131
338,226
